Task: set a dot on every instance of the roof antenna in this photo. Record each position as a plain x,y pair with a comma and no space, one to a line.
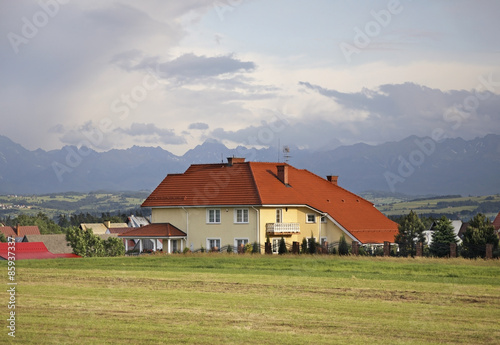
286,153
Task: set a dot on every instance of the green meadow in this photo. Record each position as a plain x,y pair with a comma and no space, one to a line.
254,299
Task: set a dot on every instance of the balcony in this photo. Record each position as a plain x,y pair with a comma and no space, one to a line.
282,228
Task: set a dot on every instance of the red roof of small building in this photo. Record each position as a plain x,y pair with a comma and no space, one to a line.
154,230
20,231
496,222
30,250
255,183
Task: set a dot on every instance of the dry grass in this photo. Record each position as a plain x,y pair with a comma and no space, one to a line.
213,299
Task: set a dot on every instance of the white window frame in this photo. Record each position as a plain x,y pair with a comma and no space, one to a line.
215,211
323,220
240,239
309,221
209,248
276,244
245,216
279,215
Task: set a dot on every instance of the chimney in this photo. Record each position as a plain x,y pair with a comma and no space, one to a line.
17,231
283,173
232,160
107,224
332,179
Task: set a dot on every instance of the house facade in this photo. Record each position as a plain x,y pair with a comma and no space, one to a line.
240,202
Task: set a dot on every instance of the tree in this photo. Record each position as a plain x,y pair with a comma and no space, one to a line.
303,248
343,246
442,236
113,246
282,247
86,244
411,231
44,223
255,248
312,245
2,237
479,232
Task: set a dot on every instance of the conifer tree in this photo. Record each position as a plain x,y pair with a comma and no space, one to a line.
442,236
411,231
282,247
343,246
479,232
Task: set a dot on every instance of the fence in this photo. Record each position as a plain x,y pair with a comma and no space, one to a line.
387,249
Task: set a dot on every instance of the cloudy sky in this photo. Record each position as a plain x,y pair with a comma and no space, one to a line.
315,74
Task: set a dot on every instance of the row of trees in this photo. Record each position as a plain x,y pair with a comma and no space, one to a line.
479,232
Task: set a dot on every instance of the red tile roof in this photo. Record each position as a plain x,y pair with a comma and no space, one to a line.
154,230
255,183
496,222
31,250
23,230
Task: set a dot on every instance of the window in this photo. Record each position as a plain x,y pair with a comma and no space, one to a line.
240,242
174,246
323,219
276,245
323,240
311,218
279,215
241,215
213,244
213,216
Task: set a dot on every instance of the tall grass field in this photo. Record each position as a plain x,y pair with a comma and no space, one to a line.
253,299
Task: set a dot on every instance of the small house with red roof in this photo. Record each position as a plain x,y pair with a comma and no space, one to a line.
496,224
241,202
20,231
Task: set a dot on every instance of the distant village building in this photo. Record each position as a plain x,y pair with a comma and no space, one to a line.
18,232
456,224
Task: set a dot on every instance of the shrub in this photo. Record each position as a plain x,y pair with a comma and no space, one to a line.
229,248
312,245
363,251
303,248
255,248
282,248
343,246
248,248
186,250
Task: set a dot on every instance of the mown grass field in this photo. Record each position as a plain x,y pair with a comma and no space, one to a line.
255,299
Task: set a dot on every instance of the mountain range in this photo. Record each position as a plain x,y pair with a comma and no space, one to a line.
412,166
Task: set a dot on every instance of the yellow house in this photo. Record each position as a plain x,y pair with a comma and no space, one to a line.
240,202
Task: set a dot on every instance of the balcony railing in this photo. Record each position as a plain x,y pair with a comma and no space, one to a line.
282,228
